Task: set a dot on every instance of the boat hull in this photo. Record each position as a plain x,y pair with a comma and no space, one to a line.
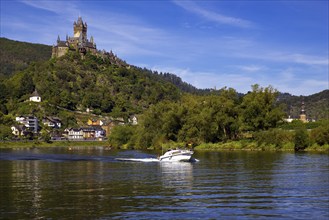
176,156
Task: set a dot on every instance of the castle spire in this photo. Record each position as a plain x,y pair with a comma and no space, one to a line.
303,113
58,39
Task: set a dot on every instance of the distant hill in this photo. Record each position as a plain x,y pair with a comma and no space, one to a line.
15,55
316,105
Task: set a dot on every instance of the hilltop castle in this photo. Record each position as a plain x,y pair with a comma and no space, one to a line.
79,42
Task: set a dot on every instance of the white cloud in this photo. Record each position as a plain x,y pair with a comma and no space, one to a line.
57,7
252,68
213,16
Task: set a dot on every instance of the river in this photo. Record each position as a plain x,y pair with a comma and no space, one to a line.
95,183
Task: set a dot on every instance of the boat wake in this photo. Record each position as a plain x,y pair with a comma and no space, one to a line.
147,160
138,159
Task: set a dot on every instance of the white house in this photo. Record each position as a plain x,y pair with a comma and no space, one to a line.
133,120
35,97
75,134
53,122
18,130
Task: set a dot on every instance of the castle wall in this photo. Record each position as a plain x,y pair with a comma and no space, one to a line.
59,51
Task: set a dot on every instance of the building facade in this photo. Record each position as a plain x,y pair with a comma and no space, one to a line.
79,42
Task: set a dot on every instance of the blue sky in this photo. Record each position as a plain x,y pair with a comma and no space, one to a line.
207,43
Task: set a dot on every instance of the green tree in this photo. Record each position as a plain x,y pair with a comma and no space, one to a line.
258,110
301,139
5,132
121,136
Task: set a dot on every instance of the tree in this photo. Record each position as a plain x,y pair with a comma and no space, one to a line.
301,139
5,132
120,135
258,110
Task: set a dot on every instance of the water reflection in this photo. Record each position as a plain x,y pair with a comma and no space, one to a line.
177,174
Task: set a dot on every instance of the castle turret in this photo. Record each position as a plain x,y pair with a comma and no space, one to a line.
80,29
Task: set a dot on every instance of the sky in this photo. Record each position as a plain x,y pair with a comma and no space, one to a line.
209,43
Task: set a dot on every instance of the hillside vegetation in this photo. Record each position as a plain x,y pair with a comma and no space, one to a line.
16,56
170,110
74,83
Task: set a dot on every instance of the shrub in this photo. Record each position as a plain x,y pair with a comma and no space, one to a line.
301,139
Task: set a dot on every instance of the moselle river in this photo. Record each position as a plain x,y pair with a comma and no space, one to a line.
95,183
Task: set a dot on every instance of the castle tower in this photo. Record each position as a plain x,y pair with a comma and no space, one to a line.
302,115
80,29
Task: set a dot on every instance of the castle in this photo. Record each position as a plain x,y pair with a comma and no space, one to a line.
79,42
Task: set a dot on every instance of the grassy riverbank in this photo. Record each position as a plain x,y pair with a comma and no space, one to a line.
33,144
242,145
253,146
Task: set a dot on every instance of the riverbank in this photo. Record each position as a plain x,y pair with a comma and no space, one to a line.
34,144
253,146
242,145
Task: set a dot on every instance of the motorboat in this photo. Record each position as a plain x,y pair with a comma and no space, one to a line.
176,155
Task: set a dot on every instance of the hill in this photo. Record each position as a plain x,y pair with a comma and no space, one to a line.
16,56
316,105
105,86
77,83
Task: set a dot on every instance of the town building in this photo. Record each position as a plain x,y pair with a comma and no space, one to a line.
30,122
18,130
75,134
52,122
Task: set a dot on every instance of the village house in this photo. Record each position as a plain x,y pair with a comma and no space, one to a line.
95,122
74,134
30,122
93,133
52,122
35,97
85,133
133,120
18,130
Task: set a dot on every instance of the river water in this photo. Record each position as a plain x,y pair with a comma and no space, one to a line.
95,183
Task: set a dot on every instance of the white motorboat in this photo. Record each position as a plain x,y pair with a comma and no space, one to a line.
177,155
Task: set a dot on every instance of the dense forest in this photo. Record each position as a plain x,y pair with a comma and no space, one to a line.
169,109
16,56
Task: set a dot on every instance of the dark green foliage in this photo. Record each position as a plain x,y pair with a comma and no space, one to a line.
195,119
301,139
5,132
320,135
276,137
259,110
15,56
71,83
120,136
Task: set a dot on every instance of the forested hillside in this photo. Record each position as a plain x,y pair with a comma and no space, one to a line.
76,84
15,55
316,105
169,109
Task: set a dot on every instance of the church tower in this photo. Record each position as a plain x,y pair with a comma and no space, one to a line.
302,115
80,29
